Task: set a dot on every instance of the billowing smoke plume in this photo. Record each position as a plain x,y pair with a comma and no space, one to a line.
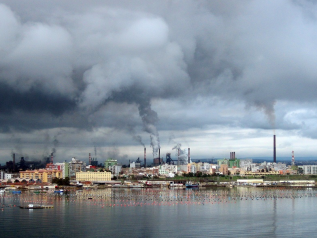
149,119
182,156
55,145
63,68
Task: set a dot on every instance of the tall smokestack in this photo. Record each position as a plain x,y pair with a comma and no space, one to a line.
189,155
274,148
13,160
89,159
159,155
52,157
178,156
144,157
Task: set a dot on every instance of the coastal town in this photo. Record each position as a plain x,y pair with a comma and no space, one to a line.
111,174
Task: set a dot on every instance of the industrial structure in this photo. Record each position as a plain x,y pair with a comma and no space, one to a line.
144,157
274,148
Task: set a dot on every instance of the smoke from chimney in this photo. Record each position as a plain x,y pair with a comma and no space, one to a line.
274,148
144,157
13,160
189,155
52,157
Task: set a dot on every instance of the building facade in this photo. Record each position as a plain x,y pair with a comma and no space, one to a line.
93,176
76,166
110,162
64,167
309,169
41,175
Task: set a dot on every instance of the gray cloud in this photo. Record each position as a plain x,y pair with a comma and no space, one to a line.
112,64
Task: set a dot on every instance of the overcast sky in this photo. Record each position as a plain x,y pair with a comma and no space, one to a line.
110,77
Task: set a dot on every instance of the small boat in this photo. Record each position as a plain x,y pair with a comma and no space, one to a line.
16,192
192,185
136,186
59,191
117,185
79,185
175,185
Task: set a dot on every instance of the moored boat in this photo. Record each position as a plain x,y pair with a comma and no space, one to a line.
192,185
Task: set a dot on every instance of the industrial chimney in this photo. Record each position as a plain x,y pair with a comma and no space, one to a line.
144,157
274,148
52,157
159,156
89,159
13,160
189,155
178,156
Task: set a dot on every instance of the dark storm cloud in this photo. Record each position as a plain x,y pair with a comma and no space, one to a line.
33,101
63,57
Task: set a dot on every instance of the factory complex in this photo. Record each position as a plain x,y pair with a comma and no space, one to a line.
79,172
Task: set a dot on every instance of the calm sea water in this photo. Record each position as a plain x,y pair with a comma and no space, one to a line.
236,212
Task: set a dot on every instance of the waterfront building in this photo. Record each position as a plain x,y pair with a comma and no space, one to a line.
76,166
93,176
308,169
115,169
232,163
224,169
64,167
234,171
204,167
192,167
11,175
41,175
182,168
132,165
167,169
222,161
246,164
110,162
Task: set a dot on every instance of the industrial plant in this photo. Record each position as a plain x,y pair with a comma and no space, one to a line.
75,170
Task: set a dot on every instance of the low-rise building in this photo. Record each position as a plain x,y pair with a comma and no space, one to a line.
93,176
64,167
308,169
110,162
167,169
115,169
224,169
76,166
42,175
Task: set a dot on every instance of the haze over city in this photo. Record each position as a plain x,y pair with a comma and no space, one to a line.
112,77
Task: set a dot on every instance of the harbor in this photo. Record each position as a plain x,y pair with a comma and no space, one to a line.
120,211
